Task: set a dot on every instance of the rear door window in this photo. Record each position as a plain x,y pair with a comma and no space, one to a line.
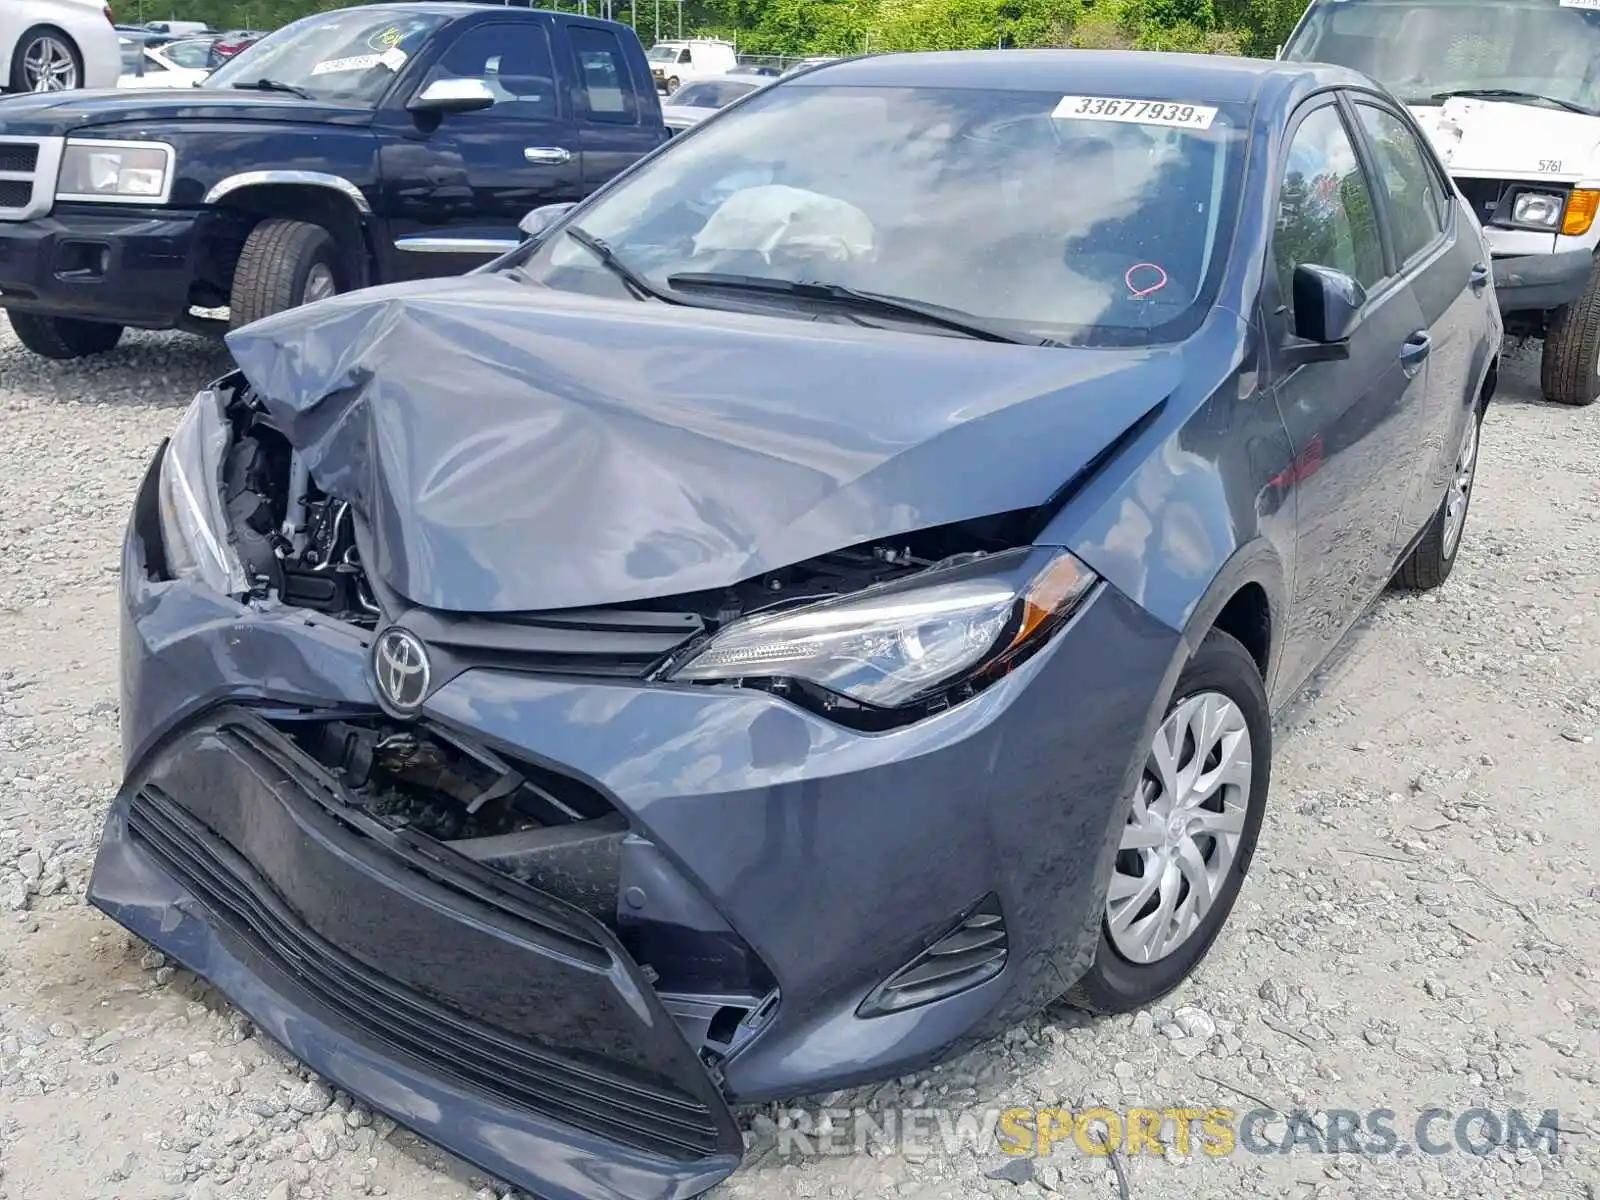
604,90
1416,209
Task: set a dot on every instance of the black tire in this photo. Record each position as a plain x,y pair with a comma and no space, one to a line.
672,85
1569,366
277,260
1114,984
17,79
63,337
1430,562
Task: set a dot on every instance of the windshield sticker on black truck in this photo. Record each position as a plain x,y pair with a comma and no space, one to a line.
361,62
1136,112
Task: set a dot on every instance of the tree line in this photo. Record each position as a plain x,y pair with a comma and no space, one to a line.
801,27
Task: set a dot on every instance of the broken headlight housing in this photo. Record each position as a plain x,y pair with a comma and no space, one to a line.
193,528
959,624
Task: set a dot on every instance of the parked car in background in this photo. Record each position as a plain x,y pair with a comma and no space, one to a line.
185,54
673,64
1509,93
348,148
694,102
808,62
146,66
57,45
787,622
228,44
178,29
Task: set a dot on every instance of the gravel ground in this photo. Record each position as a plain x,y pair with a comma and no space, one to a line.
1422,928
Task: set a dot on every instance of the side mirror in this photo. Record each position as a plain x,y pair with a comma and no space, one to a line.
1327,310
539,220
453,96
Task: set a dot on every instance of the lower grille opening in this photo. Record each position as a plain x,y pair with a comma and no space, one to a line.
611,1103
971,953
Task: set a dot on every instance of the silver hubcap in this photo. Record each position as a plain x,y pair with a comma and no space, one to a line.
1455,504
47,66
319,285
1183,833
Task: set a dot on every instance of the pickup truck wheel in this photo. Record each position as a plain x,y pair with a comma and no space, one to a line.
1569,367
64,337
284,264
672,85
45,61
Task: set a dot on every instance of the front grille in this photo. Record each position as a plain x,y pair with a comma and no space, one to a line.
28,168
605,643
971,953
385,1012
18,156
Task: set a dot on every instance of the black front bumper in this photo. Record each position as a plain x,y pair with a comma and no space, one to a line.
1537,282
114,264
496,1020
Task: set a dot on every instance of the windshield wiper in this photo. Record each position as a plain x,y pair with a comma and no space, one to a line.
635,282
274,85
1511,94
894,306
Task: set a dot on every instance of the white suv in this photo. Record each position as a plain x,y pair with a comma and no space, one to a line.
54,45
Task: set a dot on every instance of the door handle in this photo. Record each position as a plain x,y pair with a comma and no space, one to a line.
547,156
1478,277
1414,350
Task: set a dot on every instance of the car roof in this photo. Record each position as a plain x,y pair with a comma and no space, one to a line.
1139,74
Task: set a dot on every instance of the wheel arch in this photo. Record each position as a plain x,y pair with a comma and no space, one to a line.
331,201
1246,600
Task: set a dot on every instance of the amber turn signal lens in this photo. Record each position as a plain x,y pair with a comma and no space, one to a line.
1581,207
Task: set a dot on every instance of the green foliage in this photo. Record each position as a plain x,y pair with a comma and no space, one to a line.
793,28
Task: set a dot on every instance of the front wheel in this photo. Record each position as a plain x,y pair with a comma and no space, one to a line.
63,337
672,85
1191,830
1569,367
283,264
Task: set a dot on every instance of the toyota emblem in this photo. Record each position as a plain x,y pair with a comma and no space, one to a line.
400,669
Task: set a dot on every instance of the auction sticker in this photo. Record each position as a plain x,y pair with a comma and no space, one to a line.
1591,5
361,62
1175,113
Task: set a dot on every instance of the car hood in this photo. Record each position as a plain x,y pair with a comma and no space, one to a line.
1512,141
684,115
514,448
45,114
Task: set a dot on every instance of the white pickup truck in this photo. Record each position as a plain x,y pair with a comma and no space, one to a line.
1509,92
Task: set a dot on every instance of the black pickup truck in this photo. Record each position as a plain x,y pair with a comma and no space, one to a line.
349,148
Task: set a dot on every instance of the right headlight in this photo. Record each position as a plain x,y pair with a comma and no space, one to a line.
122,172
1538,208
899,643
193,525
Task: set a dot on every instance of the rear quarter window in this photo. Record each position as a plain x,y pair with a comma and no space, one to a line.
605,92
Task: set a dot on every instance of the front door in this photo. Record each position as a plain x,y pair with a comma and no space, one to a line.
455,186
1343,417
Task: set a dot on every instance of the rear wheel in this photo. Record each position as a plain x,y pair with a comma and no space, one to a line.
672,85
1569,367
283,264
1191,830
64,337
46,60
1434,558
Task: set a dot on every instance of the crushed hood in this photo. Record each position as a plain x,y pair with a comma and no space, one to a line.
1493,138
53,114
514,448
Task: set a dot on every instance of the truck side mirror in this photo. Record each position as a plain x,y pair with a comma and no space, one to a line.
453,96
539,220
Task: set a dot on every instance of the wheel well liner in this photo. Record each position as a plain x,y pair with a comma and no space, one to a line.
318,203
1247,618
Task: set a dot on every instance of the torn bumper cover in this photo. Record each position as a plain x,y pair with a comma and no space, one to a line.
501,1023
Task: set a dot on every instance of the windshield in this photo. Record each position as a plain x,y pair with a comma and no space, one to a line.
710,93
1548,48
188,54
348,55
1075,229
665,53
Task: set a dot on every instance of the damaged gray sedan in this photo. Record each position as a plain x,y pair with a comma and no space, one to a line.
819,602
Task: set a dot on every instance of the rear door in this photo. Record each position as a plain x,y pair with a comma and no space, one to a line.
454,187
1445,270
1347,419
614,102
